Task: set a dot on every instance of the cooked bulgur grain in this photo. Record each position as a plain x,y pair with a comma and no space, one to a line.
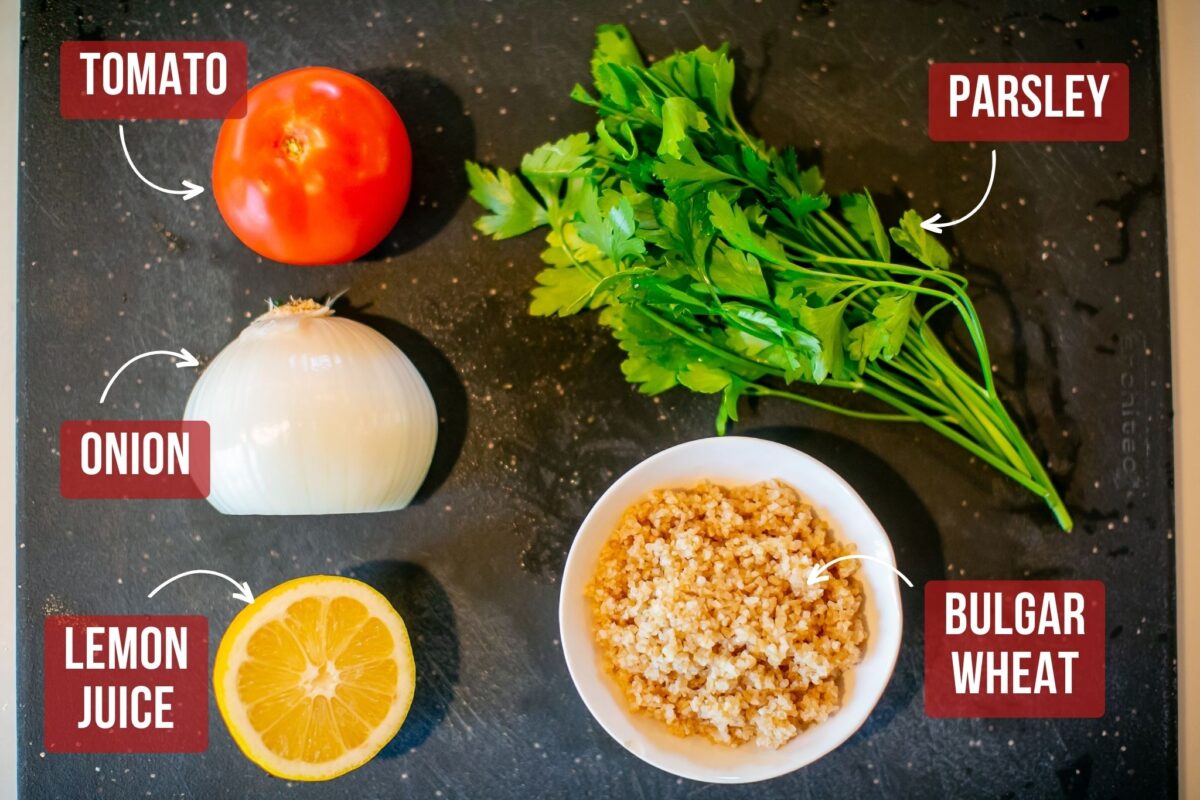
704,615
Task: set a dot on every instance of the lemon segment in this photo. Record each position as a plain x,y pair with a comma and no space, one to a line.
314,677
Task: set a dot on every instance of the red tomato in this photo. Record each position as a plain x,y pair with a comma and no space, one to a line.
317,172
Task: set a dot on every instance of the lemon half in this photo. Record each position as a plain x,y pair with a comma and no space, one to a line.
314,677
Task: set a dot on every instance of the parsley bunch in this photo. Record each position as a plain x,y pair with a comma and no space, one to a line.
720,265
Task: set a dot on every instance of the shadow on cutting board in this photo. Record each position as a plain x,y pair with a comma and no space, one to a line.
442,139
429,617
449,394
914,538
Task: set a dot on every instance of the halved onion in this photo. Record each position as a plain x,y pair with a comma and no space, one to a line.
314,414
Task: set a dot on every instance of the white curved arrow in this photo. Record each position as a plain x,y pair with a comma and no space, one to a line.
933,226
189,191
243,592
818,575
186,360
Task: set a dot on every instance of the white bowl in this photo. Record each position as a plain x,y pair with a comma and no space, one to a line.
733,460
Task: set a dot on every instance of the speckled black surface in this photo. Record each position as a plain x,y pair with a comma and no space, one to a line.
1068,265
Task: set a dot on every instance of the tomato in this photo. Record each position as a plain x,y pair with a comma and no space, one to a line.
317,171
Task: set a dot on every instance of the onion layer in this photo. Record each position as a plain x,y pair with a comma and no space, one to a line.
314,414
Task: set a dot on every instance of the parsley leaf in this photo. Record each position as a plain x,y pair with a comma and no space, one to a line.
883,334
689,174
810,181
801,206
612,230
514,209
679,115
734,225
825,323
561,291
655,357
626,150
705,379
614,45
859,211
920,244
739,274
558,159
704,75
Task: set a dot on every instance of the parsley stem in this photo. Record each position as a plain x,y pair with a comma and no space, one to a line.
835,242
971,395
758,389
1003,466
903,269
856,247
929,377
952,282
948,406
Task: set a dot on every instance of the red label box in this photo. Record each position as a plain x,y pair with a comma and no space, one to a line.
134,459
132,684
152,80
1054,102
1014,649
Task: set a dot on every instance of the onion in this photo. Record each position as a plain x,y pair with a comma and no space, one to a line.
313,414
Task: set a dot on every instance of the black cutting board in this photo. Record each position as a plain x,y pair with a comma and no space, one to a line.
1068,266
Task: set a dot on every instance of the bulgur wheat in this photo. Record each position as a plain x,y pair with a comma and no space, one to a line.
704,616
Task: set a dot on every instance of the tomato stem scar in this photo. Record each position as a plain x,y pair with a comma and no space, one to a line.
293,147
